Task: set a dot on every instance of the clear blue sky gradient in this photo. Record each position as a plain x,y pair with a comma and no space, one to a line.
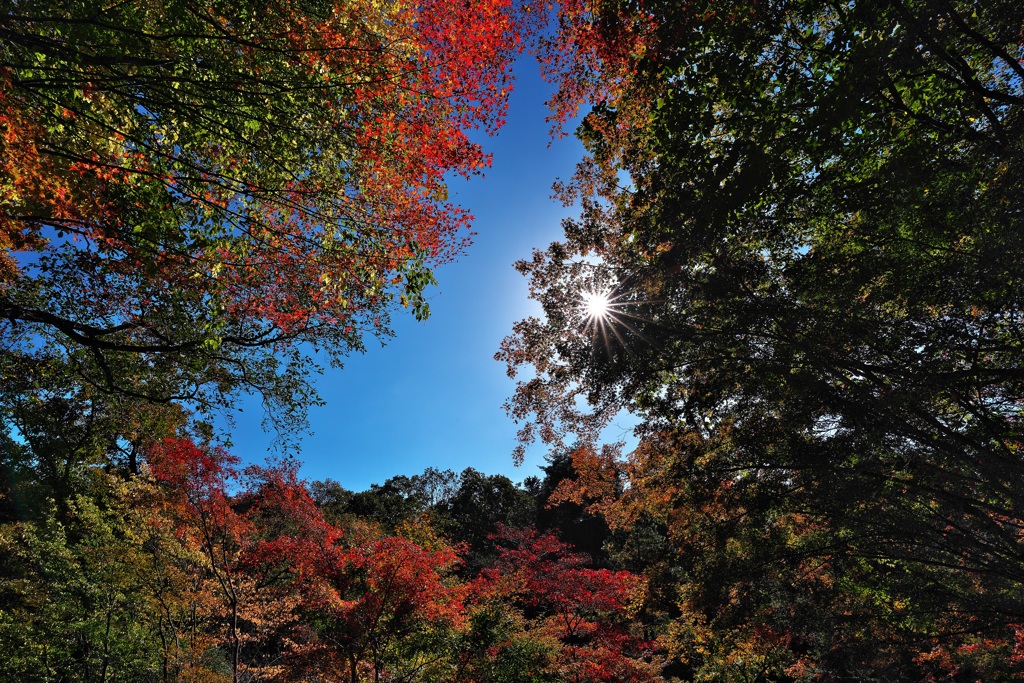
433,396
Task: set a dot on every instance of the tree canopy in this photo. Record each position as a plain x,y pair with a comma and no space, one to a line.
796,263
801,221
195,191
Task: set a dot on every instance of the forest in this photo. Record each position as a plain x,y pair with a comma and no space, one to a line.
795,261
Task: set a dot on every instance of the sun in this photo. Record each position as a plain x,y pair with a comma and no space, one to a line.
597,305
612,317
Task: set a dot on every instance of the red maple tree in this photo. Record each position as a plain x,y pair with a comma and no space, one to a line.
583,609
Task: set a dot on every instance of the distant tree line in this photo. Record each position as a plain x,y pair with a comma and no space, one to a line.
470,508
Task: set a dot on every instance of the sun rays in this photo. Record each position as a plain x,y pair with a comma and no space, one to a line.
606,317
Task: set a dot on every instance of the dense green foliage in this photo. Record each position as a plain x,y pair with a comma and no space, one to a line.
806,218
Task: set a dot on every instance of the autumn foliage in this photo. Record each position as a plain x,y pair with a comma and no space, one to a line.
194,196
802,218
192,190
258,585
584,611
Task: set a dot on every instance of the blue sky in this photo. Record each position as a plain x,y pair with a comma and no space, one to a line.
433,396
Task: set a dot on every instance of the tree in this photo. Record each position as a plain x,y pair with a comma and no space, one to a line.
192,191
497,647
466,508
375,611
568,519
58,431
400,499
215,538
290,595
807,288
581,611
473,513
87,591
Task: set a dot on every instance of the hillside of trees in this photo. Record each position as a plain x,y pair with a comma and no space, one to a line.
797,263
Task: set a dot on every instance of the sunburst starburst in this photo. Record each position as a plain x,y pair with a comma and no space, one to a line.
597,305
605,317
